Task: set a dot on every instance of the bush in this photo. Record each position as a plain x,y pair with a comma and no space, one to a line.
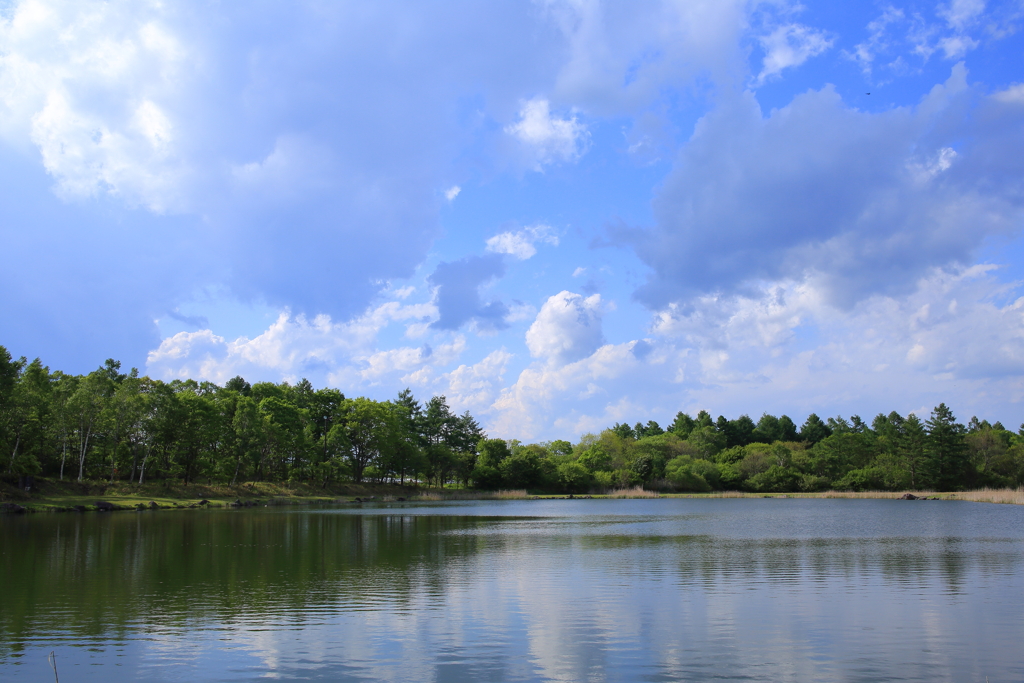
866,479
680,471
486,477
573,477
775,480
604,479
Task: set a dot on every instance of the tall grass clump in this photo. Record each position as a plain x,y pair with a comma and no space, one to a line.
512,494
635,492
1009,496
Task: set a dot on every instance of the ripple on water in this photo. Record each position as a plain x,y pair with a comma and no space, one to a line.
525,590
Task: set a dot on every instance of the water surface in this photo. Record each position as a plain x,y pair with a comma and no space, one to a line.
616,590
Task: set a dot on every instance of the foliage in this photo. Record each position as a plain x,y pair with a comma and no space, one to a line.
120,426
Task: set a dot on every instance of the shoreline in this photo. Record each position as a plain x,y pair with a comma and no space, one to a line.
55,496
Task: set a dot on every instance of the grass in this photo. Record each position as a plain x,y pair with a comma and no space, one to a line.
1006,496
469,494
635,492
51,494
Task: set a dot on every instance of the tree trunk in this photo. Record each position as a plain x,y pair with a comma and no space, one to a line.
145,459
14,453
64,455
84,448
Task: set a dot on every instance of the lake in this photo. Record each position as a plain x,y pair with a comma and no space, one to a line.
566,590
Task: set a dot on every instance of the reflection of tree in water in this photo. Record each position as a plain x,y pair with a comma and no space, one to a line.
91,576
716,562
103,576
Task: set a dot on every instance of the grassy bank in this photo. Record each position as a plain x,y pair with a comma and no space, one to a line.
49,494
1006,496
53,495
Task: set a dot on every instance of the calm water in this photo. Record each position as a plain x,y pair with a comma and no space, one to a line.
646,590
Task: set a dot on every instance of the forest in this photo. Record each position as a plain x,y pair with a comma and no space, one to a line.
114,426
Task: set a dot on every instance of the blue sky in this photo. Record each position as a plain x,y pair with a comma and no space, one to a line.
559,214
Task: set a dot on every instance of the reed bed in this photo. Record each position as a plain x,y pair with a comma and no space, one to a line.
1007,496
872,494
509,494
512,494
635,492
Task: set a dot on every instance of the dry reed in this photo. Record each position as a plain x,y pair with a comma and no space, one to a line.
635,492
1009,496
512,494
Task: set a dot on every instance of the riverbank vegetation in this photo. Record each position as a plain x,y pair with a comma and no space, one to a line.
126,429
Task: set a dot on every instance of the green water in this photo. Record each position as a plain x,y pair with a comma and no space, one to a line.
764,590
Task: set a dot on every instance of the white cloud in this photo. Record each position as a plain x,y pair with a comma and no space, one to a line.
520,244
878,41
475,387
960,14
1012,95
955,47
789,46
545,399
867,202
546,138
567,328
621,57
452,192
295,346
95,101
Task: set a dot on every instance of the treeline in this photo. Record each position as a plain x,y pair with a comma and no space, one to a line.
121,426
773,455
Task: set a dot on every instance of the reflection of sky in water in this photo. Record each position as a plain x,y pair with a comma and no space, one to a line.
769,590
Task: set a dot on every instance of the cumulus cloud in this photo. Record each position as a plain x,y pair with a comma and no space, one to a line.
225,149
957,338
621,57
567,328
458,286
96,102
520,243
475,387
789,46
551,399
545,138
294,346
864,203
960,14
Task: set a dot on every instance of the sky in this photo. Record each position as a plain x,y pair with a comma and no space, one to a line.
559,214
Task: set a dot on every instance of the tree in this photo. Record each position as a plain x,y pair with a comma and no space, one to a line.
368,428
947,449
707,441
652,428
682,425
26,417
912,450
623,431
86,407
814,430
239,385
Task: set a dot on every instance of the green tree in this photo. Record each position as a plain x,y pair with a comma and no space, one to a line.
814,430
682,425
368,428
86,406
947,450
